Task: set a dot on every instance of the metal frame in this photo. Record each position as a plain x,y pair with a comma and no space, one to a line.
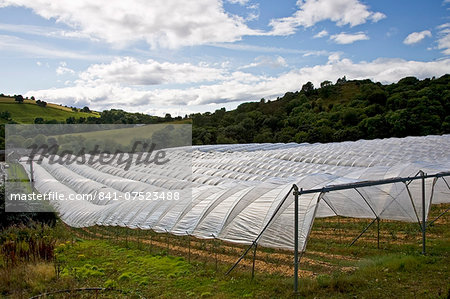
298,192
440,215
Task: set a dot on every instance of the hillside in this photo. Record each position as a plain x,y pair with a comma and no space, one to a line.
346,110
28,111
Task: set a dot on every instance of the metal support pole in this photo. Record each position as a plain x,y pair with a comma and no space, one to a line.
424,223
440,215
240,258
364,230
254,258
262,231
295,239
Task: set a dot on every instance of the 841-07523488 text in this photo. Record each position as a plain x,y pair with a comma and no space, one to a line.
136,195
110,195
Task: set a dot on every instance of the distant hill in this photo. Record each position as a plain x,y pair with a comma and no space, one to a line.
345,110
28,111
334,112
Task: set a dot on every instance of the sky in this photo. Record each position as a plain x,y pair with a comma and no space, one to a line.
182,57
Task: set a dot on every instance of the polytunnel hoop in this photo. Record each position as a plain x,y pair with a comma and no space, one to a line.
297,192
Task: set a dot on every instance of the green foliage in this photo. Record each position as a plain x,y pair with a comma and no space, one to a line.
41,103
137,268
33,243
28,112
18,99
347,110
117,116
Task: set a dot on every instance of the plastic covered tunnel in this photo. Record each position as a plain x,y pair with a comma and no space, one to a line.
232,191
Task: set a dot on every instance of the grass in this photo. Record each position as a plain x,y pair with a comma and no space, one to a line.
123,136
126,136
18,178
137,264
26,101
28,111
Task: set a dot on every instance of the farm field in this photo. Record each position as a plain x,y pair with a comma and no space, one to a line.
28,111
126,263
123,136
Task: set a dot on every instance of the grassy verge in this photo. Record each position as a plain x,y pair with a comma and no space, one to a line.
141,264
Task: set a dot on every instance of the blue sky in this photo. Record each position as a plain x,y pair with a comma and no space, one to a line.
179,57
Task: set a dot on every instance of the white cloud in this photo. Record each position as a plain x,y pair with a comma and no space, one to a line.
273,62
321,34
348,38
445,25
342,12
415,37
335,57
264,49
161,23
444,41
392,31
236,87
15,45
375,17
41,31
254,12
128,70
241,2
63,69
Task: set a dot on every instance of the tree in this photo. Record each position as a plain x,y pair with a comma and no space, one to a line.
5,115
41,103
326,88
40,139
308,88
18,99
38,120
85,109
325,83
341,80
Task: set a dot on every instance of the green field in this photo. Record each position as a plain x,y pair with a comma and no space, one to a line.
28,111
122,136
127,263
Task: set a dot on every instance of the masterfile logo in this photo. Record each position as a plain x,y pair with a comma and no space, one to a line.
103,163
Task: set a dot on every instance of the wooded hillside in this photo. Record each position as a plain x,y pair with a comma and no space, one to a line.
346,110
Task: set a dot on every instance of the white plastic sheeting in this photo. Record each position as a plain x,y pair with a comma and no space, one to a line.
234,190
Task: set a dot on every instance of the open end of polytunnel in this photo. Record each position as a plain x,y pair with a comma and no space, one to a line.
91,167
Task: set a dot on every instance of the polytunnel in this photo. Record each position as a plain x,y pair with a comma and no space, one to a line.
242,193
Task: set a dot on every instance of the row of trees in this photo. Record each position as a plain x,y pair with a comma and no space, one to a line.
20,99
346,110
